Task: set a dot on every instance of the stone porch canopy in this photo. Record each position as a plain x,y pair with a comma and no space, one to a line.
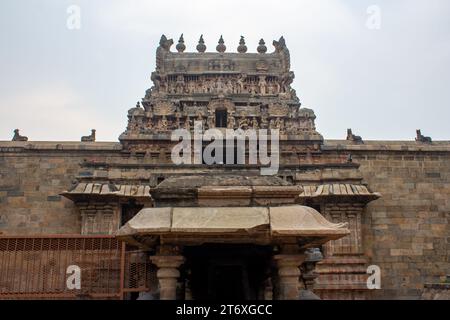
244,225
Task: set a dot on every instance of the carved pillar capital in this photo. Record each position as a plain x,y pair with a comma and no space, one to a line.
168,261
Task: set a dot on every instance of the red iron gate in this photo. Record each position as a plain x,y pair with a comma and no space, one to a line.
36,267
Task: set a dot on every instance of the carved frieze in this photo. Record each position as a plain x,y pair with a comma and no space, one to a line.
221,104
249,111
164,108
221,65
278,110
195,110
262,66
220,85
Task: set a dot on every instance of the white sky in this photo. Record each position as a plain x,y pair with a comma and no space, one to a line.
57,84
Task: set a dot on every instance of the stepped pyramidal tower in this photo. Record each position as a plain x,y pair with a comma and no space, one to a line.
222,90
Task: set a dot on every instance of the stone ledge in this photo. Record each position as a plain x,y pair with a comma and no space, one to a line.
379,145
13,146
328,145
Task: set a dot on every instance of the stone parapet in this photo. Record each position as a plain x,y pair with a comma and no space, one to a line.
17,146
385,146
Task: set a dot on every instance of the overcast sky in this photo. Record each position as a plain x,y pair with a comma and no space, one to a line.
386,82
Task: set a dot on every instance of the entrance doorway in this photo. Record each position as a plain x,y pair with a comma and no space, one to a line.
227,272
221,118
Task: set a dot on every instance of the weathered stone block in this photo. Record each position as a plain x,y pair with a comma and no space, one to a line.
54,198
15,193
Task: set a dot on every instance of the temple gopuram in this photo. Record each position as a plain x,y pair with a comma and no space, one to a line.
135,225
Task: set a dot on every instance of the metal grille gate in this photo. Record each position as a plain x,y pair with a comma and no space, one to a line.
36,267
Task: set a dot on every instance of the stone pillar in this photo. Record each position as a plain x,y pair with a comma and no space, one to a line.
168,274
268,289
288,276
309,276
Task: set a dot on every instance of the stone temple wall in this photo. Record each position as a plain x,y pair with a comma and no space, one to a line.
31,181
406,232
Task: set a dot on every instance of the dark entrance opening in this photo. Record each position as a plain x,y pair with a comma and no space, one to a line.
129,210
227,272
221,118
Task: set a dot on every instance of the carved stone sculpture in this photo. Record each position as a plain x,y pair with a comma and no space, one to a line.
421,138
161,52
255,123
18,137
353,138
231,122
90,138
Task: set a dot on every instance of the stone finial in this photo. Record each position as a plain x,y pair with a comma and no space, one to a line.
242,47
353,138
221,47
262,46
90,138
18,137
421,138
201,45
181,46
